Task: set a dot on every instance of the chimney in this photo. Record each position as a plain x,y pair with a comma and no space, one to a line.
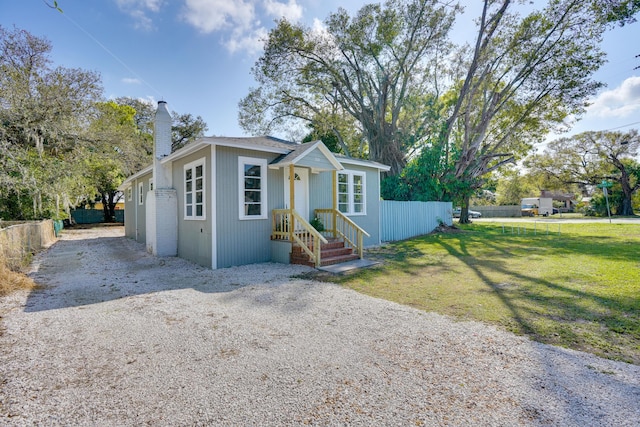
162,146
162,202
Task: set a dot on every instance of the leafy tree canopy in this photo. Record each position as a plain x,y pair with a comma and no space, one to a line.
60,142
413,96
369,68
591,157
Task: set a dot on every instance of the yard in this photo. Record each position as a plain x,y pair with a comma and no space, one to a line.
161,341
574,285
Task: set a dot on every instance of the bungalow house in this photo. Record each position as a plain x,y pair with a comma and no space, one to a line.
223,201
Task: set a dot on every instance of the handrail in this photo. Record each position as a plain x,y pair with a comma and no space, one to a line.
350,232
351,223
282,229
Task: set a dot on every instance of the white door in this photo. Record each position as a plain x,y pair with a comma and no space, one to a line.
301,191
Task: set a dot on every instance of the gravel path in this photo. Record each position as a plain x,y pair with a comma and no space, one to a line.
121,338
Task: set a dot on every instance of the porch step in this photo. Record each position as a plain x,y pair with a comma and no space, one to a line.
333,244
333,252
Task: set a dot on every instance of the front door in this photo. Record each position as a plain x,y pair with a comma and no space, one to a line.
301,191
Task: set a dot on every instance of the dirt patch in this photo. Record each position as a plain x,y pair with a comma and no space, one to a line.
446,229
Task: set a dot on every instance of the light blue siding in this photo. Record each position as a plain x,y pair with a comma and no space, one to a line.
194,235
403,220
239,241
320,197
137,229
315,159
129,214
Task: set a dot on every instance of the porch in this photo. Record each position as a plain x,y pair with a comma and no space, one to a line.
331,237
338,240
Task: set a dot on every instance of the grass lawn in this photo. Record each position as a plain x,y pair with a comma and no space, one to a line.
578,289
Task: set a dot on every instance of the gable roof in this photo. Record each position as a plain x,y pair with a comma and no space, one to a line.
297,156
292,152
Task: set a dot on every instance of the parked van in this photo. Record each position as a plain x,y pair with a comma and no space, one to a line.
532,206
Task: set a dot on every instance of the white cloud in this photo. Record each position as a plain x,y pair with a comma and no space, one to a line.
131,81
319,29
139,11
214,15
622,101
252,42
238,20
292,11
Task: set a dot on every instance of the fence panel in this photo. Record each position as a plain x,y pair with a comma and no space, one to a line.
498,211
18,241
403,220
93,216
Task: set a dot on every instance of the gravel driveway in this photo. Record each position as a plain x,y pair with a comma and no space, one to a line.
119,338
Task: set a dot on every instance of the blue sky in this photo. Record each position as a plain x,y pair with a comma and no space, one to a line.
197,54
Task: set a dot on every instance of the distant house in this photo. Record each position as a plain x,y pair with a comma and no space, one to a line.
223,201
568,200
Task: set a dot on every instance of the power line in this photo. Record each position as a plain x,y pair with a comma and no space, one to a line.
620,127
113,55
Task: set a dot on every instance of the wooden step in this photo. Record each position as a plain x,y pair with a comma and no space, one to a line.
333,252
332,244
338,259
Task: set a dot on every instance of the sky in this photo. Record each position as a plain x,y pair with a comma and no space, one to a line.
197,55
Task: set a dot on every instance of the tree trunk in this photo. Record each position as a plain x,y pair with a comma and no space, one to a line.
105,207
627,191
386,149
627,207
464,211
112,206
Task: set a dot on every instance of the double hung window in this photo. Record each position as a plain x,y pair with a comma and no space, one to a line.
351,192
194,190
252,183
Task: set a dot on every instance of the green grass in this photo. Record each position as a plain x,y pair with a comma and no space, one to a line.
578,289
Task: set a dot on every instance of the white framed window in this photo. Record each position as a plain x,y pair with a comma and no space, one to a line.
141,193
150,184
130,194
351,192
195,190
252,185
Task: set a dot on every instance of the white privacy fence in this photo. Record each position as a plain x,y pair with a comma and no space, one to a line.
403,220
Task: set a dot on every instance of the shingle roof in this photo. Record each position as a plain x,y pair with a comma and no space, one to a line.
289,150
257,141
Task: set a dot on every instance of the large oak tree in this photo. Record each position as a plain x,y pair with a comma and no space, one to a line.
372,70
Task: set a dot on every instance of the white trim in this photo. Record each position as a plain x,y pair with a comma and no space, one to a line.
300,171
242,161
350,193
249,146
198,144
141,193
192,166
303,150
135,176
365,163
214,203
185,151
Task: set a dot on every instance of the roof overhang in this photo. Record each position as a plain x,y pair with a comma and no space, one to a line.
297,158
365,163
127,182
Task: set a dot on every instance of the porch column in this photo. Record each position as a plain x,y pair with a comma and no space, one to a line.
292,175
334,198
